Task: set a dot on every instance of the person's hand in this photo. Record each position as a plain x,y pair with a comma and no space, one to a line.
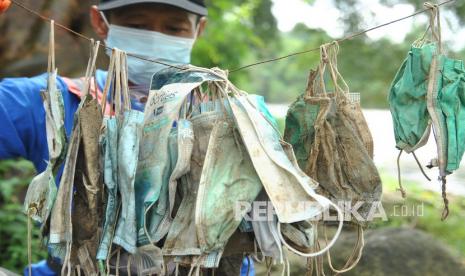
4,5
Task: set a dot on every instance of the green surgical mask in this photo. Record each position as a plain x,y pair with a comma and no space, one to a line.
228,178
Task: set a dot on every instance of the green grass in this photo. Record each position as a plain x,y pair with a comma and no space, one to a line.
15,176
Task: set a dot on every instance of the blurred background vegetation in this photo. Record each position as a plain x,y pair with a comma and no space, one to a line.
239,32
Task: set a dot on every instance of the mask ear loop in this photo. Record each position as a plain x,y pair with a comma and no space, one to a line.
435,24
337,76
90,68
360,244
51,51
117,92
124,80
340,216
255,255
110,78
222,95
321,72
104,18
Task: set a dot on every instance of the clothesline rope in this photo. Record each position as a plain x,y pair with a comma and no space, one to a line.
351,36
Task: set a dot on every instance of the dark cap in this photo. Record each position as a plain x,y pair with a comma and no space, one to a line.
194,6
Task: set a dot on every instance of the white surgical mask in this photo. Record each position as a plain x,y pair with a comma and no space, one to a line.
151,45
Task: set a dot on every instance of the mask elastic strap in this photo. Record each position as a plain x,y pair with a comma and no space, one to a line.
117,92
330,244
90,68
104,18
399,176
354,256
51,52
124,76
255,255
108,81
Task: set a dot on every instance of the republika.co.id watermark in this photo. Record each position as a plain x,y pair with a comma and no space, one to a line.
360,211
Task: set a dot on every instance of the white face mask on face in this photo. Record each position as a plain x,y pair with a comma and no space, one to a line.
150,45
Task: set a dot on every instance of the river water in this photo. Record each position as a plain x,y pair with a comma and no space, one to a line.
385,154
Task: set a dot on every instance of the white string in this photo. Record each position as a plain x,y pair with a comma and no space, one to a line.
329,245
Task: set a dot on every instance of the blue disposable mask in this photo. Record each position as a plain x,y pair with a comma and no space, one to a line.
150,45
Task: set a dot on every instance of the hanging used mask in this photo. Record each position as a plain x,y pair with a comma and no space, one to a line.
228,177
334,144
42,190
63,241
429,91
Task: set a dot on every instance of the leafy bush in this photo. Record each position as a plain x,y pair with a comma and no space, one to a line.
15,176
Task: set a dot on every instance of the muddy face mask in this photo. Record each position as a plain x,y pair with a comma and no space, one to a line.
88,184
42,190
259,135
129,133
266,232
438,100
334,146
109,142
280,174
228,178
182,238
181,143
446,107
61,224
154,167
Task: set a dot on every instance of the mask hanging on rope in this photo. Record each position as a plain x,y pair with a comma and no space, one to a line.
428,91
334,145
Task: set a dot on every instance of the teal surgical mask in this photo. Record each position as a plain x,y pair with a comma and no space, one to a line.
150,45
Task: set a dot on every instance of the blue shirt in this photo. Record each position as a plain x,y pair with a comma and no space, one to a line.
22,117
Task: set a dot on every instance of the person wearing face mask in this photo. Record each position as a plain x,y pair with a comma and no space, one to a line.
159,30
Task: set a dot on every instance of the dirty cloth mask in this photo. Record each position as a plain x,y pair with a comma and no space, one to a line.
109,147
266,231
445,106
275,163
182,238
278,174
407,98
157,217
445,101
42,191
336,148
411,97
228,178
153,172
129,135
155,160
61,223
441,99
88,184
129,138
124,125
181,141
452,105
